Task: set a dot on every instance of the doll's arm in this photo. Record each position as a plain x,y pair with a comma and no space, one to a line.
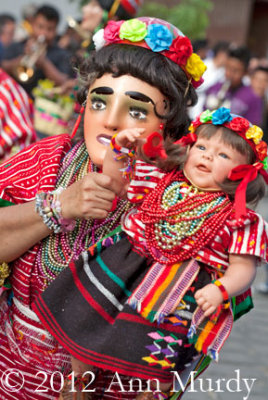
112,166
238,278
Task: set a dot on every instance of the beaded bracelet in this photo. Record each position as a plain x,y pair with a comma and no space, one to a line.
47,205
121,152
225,295
66,224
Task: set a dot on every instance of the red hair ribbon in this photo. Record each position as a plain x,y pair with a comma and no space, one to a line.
77,122
187,139
153,148
246,172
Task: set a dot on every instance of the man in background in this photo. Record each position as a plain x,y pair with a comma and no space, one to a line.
214,73
52,63
7,29
232,92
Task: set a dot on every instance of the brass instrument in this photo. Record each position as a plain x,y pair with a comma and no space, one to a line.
26,68
85,35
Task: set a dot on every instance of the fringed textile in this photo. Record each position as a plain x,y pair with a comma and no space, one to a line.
162,289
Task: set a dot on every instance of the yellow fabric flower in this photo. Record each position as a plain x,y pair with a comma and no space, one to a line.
191,128
195,66
133,30
255,133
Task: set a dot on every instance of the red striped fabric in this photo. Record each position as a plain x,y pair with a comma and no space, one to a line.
25,345
16,117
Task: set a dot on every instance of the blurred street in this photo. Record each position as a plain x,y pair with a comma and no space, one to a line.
246,350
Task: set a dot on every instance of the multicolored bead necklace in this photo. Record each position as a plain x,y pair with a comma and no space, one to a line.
57,250
180,219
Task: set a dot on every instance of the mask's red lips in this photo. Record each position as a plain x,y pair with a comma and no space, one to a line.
104,139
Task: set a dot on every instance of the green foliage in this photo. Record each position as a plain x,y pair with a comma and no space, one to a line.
81,3
190,16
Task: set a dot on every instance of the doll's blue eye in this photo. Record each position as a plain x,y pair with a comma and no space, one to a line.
200,147
223,155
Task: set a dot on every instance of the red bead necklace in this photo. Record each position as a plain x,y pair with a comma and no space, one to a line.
177,232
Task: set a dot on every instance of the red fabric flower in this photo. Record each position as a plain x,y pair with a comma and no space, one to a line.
111,31
180,50
261,149
196,122
196,84
239,124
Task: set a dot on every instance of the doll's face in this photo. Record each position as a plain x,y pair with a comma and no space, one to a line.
115,104
210,161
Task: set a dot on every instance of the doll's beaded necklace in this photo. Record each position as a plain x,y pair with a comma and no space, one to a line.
57,250
180,219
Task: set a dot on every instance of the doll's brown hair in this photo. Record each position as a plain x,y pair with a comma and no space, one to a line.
177,156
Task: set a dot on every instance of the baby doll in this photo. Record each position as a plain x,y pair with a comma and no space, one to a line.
165,294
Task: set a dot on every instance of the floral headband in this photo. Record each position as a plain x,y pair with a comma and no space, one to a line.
252,134
158,36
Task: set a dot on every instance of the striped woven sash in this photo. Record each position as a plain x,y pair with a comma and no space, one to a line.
162,289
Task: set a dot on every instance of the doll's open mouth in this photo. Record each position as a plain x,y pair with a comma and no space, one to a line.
203,168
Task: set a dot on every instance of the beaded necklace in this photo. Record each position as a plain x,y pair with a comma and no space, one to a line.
180,219
57,250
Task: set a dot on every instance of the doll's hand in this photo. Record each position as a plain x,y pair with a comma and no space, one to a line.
129,137
209,298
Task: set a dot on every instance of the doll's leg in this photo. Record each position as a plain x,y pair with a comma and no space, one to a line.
156,395
79,368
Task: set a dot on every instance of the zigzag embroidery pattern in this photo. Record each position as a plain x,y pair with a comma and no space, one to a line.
157,350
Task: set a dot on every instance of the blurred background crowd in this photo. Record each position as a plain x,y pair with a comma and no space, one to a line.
42,47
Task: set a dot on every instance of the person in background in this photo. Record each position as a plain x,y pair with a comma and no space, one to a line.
97,12
200,47
214,74
24,28
53,63
7,29
232,92
259,85
259,81
95,16
16,117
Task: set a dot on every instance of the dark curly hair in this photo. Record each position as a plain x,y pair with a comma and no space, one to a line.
152,68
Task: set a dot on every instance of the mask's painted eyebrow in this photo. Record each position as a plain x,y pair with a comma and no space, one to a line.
139,96
102,90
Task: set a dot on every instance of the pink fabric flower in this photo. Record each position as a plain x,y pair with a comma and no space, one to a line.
111,31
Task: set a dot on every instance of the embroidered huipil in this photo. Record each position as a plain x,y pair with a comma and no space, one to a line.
247,236
25,344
